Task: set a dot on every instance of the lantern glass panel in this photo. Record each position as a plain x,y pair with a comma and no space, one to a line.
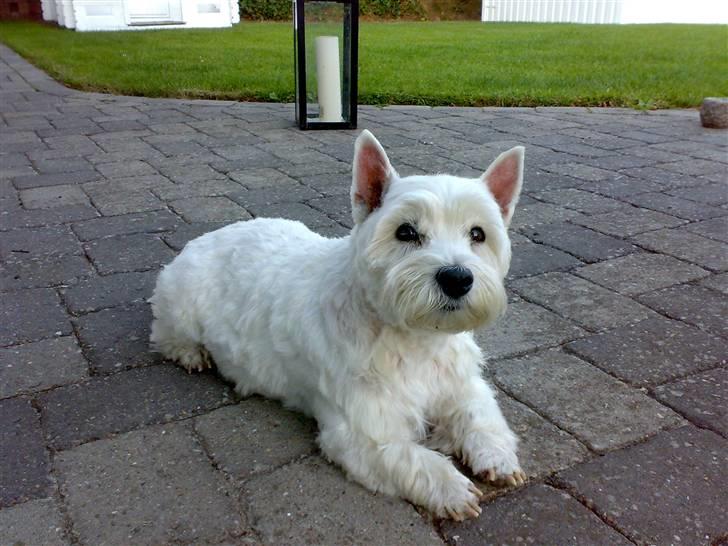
327,63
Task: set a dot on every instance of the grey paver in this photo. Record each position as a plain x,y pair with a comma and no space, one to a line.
33,522
54,179
22,271
605,414
209,209
628,221
40,365
128,490
543,448
24,472
75,414
719,283
696,305
53,196
538,213
525,327
687,246
588,245
44,241
126,224
533,259
676,206
314,501
715,228
293,211
285,193
255,436
580,200
669,490
30,315
128,253
536,515
109,291
186,232
117,338
702,398
652,351
586,303
641,272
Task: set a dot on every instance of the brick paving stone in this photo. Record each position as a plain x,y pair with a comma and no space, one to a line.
640,272
186,232
126,224
76,414
587,304
40,365
209,209
23,271
539,180
262,178
132,489
702,398
128,253
536,515
652,351
44,241
30,315
313,503
45,217
53,196
337,207
710,194
123,169
531,259
716,228
33,522
628,221
48,166
586,244
718,283
277,194
622,186
543,448
329,184
109,291
695,305
121,202
117,338
54,179
190,174
255,436
537,213
293,211
207,188
525,327
695,167
578,170
24,472
676,206
580,200
606,414
687,246
669,490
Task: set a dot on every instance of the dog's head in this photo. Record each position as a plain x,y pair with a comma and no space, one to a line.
432,251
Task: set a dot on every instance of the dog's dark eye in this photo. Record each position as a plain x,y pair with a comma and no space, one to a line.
477,235
407,233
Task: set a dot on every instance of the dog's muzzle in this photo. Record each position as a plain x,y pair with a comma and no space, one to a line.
454,280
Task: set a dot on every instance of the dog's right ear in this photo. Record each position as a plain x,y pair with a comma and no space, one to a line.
371,174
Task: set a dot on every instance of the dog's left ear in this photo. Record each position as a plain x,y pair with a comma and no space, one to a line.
371,175
504,179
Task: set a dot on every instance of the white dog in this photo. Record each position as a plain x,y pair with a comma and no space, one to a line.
370,333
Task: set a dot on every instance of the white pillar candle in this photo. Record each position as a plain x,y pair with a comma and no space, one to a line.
328,75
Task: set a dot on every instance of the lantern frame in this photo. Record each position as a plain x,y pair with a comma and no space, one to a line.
350,70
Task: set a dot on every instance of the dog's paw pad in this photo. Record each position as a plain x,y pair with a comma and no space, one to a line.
194,360
462,502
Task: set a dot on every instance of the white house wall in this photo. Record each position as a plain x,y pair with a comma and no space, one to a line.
93,15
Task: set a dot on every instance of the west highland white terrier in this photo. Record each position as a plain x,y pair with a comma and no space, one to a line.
369,333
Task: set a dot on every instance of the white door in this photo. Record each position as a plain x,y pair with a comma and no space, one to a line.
151,12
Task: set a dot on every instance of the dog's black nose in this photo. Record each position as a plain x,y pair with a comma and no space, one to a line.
455,280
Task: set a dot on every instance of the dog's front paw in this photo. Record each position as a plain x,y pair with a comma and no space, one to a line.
457,498
498,466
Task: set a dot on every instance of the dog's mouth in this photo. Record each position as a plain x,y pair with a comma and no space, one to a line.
451,306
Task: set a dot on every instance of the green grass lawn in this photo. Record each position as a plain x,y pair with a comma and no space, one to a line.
458,63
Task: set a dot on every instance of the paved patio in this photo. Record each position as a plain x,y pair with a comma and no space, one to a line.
611,363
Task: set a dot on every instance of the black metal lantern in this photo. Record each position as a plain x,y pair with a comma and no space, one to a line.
326,43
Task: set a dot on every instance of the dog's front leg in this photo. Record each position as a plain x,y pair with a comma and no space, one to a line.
402,467
475,427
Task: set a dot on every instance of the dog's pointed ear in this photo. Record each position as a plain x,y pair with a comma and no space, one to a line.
504,179
371,175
